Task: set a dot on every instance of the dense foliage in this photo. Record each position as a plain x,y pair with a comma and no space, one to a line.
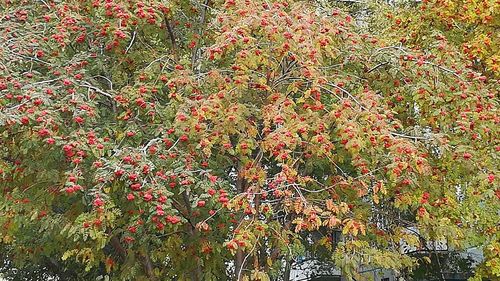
219,140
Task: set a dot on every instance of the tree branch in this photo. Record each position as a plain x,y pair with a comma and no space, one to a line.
170,34
194,57
115,243
134,33
148,267
410,137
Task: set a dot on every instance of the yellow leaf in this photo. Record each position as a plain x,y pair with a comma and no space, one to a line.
333,221
344,207
330,205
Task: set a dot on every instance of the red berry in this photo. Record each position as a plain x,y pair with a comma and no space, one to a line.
98,202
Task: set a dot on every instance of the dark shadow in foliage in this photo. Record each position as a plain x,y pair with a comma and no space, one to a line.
44,269
444,266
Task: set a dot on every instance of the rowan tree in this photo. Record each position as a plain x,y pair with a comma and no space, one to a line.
210,141
469,27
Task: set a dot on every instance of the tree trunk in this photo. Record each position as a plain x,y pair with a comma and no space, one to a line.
197,273
288,269
238,260
148,266
238,265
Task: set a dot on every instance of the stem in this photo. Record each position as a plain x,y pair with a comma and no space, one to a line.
197,273
238,262
171,35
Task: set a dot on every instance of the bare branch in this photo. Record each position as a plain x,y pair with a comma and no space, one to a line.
89,86
410,137
40,82
377,66
246,257
134,33
350,95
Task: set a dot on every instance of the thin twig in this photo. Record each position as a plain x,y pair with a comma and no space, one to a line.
410,137
377,66
40,82
349,94
134,33
246,257
89,86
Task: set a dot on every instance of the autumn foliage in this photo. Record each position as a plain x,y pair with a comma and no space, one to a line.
469,27
181,140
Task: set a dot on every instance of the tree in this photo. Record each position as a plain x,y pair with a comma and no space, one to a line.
211,141
468,28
